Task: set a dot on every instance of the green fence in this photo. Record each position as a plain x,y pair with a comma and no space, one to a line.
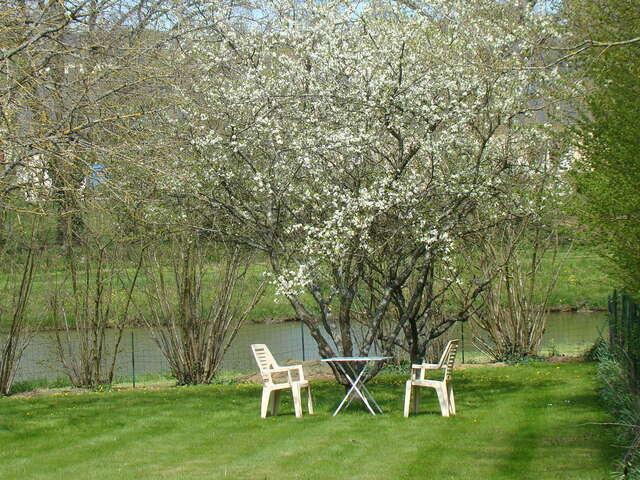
624,332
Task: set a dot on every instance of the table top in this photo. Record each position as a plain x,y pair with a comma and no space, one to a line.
354,359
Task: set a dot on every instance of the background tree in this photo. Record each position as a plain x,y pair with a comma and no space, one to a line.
606,173
16,328
523,258
91,302
607,163
77,78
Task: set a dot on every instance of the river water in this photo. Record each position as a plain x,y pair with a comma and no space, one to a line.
566,333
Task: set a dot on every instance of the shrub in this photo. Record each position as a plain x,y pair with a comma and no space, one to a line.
617,392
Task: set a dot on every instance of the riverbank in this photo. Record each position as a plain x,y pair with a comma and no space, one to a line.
566,334
314,370
582,283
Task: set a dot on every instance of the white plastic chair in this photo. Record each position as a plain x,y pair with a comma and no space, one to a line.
443,387
268,367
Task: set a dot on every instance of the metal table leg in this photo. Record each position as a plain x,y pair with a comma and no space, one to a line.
354,388
366,392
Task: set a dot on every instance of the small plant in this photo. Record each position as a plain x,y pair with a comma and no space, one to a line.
103,387
16,292
195,319
554,351
591,354
397,365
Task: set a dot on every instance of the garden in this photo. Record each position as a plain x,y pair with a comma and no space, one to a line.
375,186
534,421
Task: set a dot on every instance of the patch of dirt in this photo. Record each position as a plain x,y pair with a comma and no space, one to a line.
474,365
554,359
575,308
313,370
565,359
317,370
275,320
41,392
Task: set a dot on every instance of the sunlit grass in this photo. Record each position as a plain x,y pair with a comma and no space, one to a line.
523,422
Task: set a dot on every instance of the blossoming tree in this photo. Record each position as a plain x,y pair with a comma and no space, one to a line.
364,147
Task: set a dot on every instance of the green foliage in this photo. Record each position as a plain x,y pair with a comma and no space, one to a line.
617,391
607,170
592,354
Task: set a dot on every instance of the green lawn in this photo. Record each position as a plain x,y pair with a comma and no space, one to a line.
521,422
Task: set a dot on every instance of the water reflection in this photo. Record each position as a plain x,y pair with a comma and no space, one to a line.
567,333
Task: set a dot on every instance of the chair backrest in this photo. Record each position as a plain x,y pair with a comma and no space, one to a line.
448,358
264,359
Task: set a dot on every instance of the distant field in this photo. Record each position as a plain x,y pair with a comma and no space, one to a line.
581,284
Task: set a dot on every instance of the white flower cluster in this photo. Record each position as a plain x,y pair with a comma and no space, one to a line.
293,282
334,129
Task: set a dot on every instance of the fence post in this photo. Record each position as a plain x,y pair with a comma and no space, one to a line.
612,318
133,360
302,338
624,330
462,340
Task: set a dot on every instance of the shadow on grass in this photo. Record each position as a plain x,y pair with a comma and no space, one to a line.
389,392
537,438
471,391
468,395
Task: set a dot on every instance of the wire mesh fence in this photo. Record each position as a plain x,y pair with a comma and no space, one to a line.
624,332
140,358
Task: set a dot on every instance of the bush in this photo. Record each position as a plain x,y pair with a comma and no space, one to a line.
617,392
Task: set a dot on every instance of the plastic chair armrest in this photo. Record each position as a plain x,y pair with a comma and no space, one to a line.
300,372
288,369
418,370
431,366
279,370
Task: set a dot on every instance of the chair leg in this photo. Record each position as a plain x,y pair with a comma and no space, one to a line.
452,400
264,406
407,398
309,400
416,400
275,402
297,403
442,398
